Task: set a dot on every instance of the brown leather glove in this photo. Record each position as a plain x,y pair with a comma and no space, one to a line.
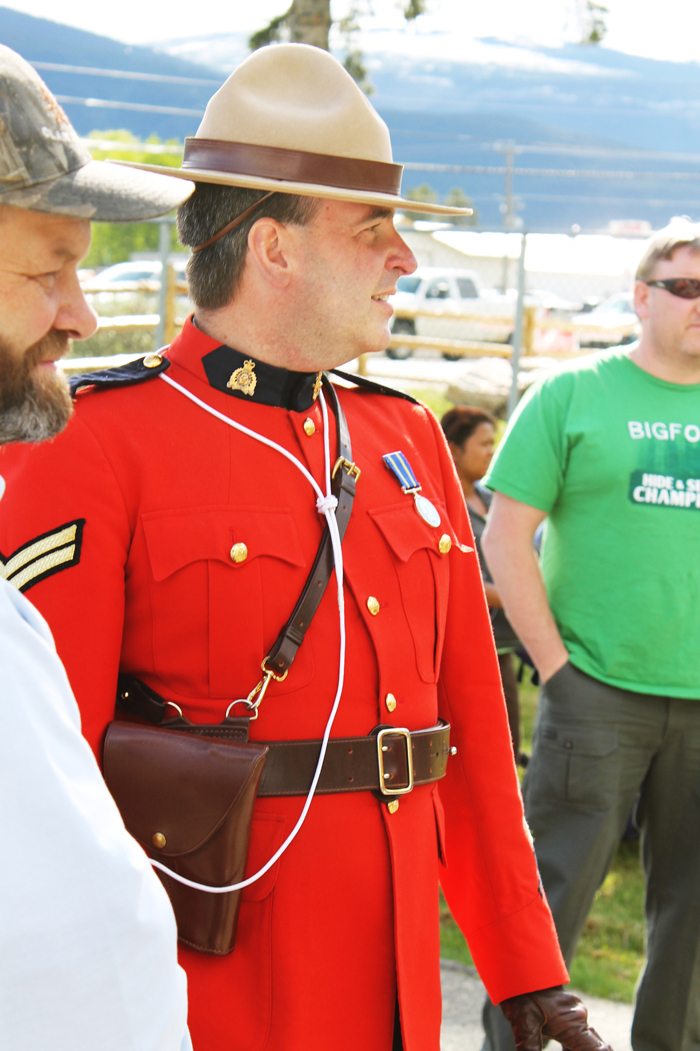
551,1013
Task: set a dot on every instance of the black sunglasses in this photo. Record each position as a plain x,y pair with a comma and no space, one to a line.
683,287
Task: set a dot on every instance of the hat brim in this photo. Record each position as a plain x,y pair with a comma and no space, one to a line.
104,192
303,189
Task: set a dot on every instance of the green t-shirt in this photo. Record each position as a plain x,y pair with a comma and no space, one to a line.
612,454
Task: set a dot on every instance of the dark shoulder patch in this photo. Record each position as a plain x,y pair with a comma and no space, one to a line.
44,555
375,388
123,376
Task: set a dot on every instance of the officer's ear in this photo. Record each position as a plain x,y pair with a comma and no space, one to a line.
271,252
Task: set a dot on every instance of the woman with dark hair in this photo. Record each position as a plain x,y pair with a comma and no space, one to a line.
470,433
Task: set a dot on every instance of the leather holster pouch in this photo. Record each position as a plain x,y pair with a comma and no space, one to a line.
188,799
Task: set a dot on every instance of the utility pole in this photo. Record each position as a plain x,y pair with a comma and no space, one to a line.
508,206
518,331
509,200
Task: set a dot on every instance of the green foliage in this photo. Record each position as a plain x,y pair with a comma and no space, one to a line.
596,28
457,198
354,64
424,193
106,342
270,33
412,9
434,399
349,28
115,242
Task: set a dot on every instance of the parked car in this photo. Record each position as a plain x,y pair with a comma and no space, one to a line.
121,276
133,288
437,293
610,324
138,275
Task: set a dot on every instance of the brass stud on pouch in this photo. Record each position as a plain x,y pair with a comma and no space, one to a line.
159,840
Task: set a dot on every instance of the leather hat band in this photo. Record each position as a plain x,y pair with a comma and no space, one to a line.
273,162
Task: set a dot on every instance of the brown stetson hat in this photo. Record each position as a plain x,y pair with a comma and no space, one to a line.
290,119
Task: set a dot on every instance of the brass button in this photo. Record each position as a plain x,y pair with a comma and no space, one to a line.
239,553
309,426
152,361
390,702
444,544
393,806
159,840
373,605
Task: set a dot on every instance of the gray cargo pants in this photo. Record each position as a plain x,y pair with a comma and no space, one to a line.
595,748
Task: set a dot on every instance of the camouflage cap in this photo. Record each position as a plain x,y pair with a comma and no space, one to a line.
45,167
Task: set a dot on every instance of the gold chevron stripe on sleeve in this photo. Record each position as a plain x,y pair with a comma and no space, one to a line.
41,565
40,547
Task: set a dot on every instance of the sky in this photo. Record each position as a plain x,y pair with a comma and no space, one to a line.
675,36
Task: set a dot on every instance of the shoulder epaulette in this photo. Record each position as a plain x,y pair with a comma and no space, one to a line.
376,388
122,376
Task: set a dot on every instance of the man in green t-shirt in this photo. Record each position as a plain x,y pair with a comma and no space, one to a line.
608,450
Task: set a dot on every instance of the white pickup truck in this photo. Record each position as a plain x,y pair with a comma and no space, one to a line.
436,294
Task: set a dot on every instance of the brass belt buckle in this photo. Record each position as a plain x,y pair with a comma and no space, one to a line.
396,731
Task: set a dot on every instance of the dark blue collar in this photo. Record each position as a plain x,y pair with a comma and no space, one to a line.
243,377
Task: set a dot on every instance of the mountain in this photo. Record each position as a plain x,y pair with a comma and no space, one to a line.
572,110
575,113
42,41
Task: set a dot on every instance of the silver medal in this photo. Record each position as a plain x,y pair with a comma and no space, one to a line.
428,512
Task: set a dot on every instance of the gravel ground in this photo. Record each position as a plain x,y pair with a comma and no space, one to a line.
463,995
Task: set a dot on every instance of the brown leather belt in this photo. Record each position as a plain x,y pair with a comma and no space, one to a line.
381,762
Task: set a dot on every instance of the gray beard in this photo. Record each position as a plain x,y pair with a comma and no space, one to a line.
32,410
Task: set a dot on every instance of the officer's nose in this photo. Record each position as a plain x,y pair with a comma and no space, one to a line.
402,258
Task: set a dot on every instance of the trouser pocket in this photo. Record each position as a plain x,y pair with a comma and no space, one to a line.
579,765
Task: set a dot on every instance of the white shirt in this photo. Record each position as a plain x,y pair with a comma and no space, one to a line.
87,935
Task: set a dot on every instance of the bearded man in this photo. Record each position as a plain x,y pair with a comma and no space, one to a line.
87,936
201,475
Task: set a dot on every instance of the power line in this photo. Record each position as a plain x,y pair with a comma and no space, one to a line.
115,146
122,74
173,111
565,173
551,148
469,169
629,201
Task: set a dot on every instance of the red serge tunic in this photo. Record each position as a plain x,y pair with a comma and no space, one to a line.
350,912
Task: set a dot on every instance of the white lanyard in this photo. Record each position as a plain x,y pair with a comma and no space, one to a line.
325,505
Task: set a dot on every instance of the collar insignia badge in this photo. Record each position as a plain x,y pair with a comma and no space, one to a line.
244,379
318,383
403,472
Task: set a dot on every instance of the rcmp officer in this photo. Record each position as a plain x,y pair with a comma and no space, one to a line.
197,539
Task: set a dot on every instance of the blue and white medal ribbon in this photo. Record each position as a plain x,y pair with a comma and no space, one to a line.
403,472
